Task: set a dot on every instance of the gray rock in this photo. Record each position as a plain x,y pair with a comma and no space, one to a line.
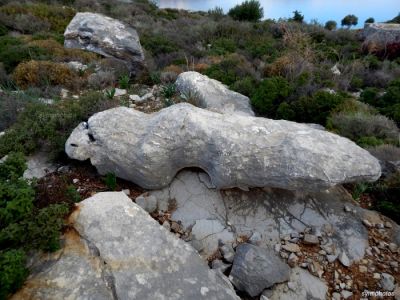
271,212
387,282
134,98
304,287
346,294
131,257
228,253
380,34
213,95
105,36
39,165
148,203
139,147
344,259
255,269
220,265
310,239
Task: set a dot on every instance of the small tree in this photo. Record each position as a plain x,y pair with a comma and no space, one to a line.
297,17
350,20
370,20
250,10
330,25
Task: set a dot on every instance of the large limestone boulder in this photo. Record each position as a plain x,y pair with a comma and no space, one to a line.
234,150
213,95
105,36
264,215
380,38
117,251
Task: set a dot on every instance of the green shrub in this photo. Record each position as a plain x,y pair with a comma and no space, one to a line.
124,82
385,152
360,125
245,86
250,10
73,194
350,20
169,90
12,271
270,93
222,46
158,44
111,181
330,25
369,141
370,20
297,17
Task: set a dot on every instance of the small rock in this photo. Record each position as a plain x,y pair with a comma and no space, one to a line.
146,97
344,259
120,92
346,294
388,224
290,247
336,296
331,258
379,226
393,247
292,286
376,276
394,264
347,208
126,192
75,180
63,169
367,223
148,203
134,98
310,239
64,93
166,225
387,282
219,265
277,247
175,227
294,235
363,269
292,260
228,253
255,238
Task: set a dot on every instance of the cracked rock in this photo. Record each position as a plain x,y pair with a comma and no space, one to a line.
139,147
255,269
125,254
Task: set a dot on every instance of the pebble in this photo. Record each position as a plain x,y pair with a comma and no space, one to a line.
336,296
393,247
347,208
126,192
343,258
228,253
292,260
367,223
388,224
119,92
379,226
331,258
363,269
219,265
291,285
277,247
290,247
134,98
346,294
75,180
377,276
310,239
166,225
387,282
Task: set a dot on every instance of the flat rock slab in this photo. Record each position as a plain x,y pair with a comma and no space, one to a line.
39,165
255,269
212,94
304,286
235,151
129,256
105,36
269,214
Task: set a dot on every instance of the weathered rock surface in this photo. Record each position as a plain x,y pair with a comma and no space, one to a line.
213,95
304,286
39,165
235,151
381,38
105,36
122,253
272,213
255,269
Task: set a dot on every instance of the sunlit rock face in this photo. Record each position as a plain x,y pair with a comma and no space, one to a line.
235,151
105,36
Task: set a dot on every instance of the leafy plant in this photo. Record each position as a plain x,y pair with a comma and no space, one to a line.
12,271
169,90
250,10
124,81
110,93
73,194
111,181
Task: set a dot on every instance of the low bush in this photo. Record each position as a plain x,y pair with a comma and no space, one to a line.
11,104
270,93
158,44
356,126
101,80
44,73
385,152
250,10
23,227
41,125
